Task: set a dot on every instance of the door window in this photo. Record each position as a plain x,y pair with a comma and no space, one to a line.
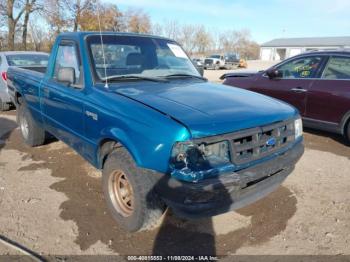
67,57
305,67
337,68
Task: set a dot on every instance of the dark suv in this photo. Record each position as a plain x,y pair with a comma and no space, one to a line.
317,83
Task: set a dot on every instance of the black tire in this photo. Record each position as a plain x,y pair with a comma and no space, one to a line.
35,135
145,209
4,106
347,132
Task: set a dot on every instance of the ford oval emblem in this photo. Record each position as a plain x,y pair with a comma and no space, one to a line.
271,141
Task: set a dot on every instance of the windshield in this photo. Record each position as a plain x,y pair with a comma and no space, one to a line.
137,56
215,56
27,60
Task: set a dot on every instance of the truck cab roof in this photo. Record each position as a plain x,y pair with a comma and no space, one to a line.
84,34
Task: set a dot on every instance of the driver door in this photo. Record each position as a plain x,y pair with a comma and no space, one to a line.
63,105
294,80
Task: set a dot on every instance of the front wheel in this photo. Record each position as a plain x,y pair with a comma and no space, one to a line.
129,192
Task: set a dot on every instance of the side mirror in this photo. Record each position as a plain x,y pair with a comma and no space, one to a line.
66,75
273,73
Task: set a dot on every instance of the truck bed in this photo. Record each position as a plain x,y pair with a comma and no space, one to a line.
40,69
25,77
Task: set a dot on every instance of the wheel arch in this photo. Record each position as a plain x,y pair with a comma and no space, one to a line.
18,98
105,147
110,142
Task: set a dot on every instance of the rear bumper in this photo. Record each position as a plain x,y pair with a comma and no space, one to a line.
229,191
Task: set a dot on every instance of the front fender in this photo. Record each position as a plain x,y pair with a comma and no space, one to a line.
149,150
118,135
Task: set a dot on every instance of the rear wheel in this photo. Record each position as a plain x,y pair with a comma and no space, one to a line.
129,192
32,133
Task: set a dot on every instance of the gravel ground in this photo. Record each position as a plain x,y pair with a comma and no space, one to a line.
51,202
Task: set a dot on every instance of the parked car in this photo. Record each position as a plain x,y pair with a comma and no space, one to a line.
136,107
317,83
215,62
19,59
232,60
227,61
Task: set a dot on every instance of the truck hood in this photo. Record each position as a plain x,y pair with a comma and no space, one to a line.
208,109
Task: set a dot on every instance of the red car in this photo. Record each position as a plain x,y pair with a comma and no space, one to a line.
317,83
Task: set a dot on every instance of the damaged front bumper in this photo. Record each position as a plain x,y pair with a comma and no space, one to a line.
230,191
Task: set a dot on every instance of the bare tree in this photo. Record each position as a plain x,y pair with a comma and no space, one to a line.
76,8
31,6
203,39
55,15
73,15
240,42
137,21
187,37
39,37
2,41
111,18
171,29
156,29
7,9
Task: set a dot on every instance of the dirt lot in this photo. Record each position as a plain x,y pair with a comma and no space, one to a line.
51,202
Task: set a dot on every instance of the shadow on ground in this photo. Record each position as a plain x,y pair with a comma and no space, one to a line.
6,128
86,207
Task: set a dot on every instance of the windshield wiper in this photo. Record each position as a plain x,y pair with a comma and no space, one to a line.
132,77
186,75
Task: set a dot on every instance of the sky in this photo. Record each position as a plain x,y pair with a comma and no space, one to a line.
266,19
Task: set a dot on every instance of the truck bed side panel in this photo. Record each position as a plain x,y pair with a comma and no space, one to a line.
27,83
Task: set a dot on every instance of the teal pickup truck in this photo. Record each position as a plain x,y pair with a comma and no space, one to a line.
136,107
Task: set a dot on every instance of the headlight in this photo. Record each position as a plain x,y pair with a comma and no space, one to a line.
200,157
298,127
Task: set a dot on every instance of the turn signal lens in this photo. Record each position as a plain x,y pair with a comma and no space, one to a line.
4,76
298,127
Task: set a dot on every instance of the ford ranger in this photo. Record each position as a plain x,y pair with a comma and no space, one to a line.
135,107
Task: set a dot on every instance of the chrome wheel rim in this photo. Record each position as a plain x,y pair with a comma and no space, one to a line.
24,127
121,193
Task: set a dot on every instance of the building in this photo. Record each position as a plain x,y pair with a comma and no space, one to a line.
282,48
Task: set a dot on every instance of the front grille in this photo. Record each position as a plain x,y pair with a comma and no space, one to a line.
208,61
256,143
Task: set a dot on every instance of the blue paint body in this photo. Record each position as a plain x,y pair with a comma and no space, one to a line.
147,118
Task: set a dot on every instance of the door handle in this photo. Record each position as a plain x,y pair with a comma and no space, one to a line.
298,90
